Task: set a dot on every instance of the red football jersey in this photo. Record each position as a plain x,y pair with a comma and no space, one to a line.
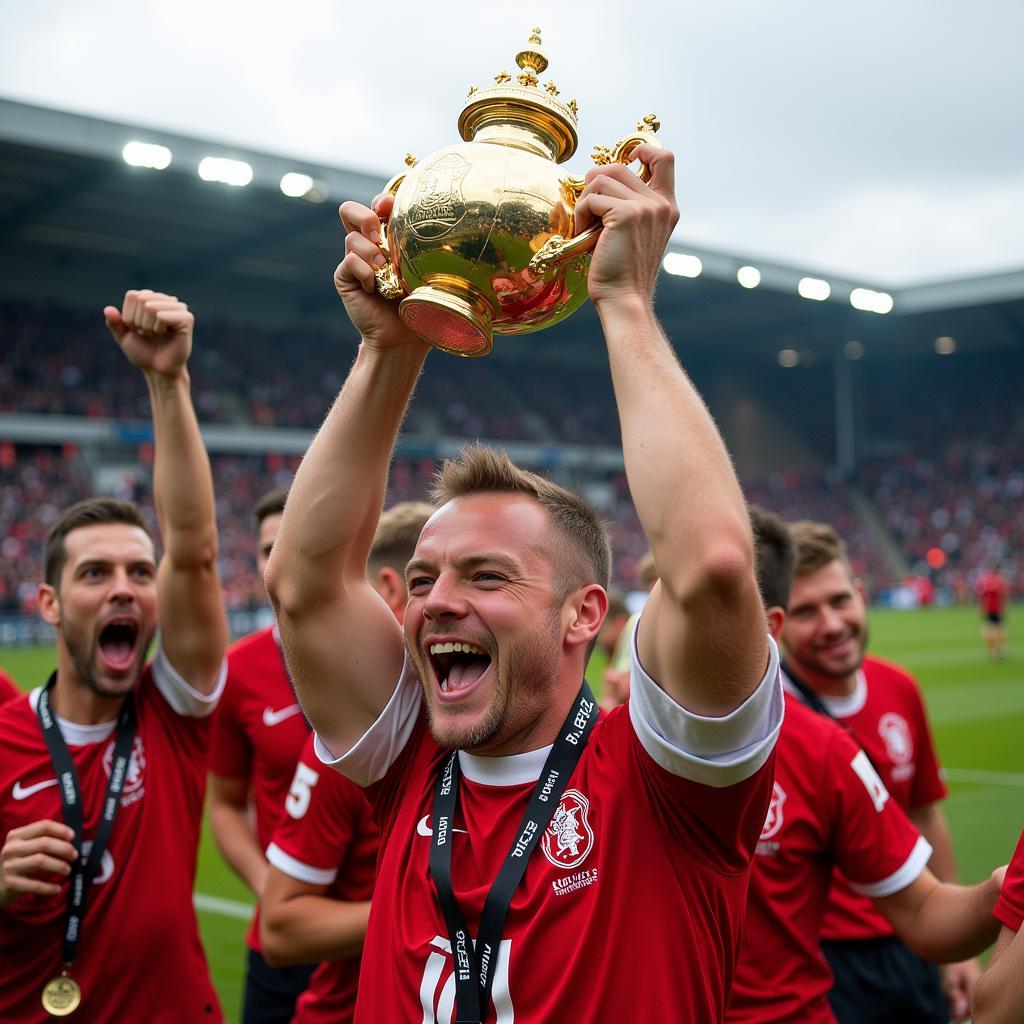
8,688
631,906
139,957
258,733
829,807
887,717
1009,907
327,837
992,590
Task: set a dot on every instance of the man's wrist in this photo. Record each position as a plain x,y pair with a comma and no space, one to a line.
629,307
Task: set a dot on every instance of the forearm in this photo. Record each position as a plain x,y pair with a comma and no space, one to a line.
308,929
999,993
952,923
931,822
336,497
182,481
238,845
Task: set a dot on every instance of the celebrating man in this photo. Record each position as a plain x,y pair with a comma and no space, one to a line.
102,768
537,862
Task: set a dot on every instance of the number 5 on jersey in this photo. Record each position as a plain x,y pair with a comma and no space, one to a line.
297,801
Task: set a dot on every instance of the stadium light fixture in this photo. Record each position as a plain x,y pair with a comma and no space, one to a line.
871,301
814,288
789,357
945,346
228,172
146,154
302,186
748,277
682,264
853,350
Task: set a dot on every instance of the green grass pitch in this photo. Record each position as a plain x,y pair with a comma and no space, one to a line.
977,711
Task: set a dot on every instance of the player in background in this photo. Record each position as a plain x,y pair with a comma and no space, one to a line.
999,994
487,760
829,807
992,590
615,678
8,688
324,850
137,733
259,732
824,636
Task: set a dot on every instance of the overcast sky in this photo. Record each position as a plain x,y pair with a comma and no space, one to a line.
882,140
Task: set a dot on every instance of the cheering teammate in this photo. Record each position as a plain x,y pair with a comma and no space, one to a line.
877,979
259,732
537,862
102,769
829,807
999,994
324,850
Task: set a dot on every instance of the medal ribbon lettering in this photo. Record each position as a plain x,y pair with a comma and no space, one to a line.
475,968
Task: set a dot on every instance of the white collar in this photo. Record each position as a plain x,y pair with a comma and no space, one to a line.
511,770
837,707
76,735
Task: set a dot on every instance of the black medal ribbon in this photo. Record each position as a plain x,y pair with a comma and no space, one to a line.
475,967
86,866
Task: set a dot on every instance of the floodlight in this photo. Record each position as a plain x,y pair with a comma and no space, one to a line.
871,301
295,185
146,154
748,277
814,288
789,357
682,264
228,172
945,346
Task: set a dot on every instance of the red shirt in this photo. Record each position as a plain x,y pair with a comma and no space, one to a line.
886,716
139,957
629,913
1009,907
259,731
992,590
8,689
829,807
327,837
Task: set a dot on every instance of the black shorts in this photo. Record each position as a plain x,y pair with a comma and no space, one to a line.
270,992
881,981
995,618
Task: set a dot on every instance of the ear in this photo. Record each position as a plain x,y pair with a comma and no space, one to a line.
586,610
49,604
391,586
776,620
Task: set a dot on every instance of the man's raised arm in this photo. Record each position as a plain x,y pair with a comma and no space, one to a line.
343,644
154,331
702,634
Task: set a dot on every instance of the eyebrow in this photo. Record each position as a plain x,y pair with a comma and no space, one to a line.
103,563
467,563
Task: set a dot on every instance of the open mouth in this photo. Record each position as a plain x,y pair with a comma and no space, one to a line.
118,641
458,665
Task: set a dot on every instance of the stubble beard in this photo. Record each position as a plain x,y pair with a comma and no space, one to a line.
83,657
824,669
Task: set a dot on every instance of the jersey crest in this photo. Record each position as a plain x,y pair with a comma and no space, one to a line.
134,784
568,839
774,819
895,733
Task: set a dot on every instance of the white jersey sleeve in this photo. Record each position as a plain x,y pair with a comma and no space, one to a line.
183,699
716,752
379,747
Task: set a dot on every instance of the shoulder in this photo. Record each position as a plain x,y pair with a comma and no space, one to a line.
255,647
887,674
17,717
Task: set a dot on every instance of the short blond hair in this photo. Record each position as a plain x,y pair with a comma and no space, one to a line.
817,545
398,530
586,555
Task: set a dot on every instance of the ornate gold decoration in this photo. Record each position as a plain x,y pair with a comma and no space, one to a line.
410,160
601,155
472,89
650,123
573,106
502,77
552,88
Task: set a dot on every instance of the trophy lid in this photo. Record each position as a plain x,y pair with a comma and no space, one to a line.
524,100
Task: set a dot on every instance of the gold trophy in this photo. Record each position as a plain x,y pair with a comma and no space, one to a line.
480,240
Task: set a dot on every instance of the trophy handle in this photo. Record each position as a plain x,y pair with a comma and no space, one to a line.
557,250
387,281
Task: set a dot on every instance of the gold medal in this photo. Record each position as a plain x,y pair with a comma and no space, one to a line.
61,996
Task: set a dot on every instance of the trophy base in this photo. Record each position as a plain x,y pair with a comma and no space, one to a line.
454,318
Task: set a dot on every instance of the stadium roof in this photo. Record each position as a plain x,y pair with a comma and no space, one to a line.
77,222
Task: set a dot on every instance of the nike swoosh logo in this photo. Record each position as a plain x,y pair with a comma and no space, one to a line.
20,792
423,827
272,717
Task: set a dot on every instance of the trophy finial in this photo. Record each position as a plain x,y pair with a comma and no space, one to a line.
650,123
533,57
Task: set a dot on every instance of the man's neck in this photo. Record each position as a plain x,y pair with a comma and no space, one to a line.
75,702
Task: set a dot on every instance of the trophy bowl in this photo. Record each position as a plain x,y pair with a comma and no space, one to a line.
481,237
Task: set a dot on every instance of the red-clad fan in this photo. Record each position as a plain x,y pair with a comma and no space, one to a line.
316,903
829,807
8,688
538,863
993,590
102,769
327,836
259,732
999,996
824,637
